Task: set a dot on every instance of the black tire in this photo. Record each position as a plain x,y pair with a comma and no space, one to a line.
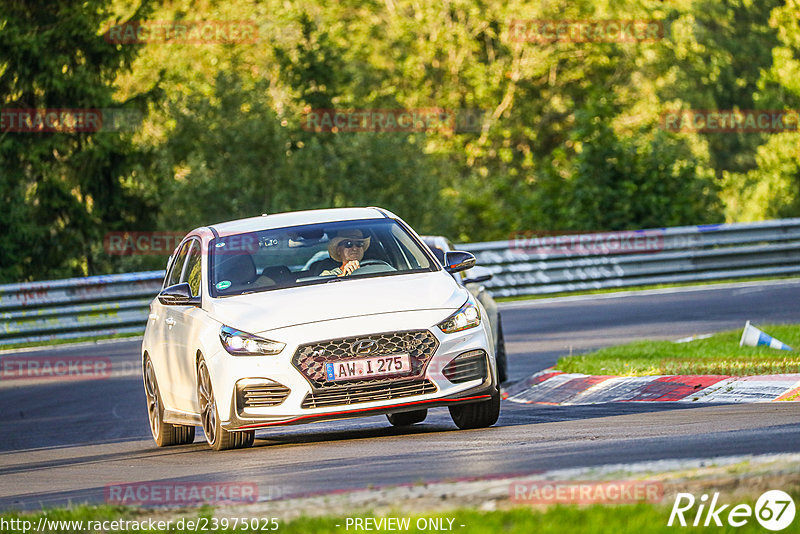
476,414
164,434
217,437
500,353
407,418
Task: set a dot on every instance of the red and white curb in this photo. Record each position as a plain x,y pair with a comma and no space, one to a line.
554,387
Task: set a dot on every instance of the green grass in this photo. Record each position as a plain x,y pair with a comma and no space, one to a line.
640,288
52,342
717,355
596,519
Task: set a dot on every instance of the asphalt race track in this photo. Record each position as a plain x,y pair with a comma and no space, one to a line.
65,441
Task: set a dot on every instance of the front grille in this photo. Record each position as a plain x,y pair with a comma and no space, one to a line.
465,367
261,395
310,359
353,394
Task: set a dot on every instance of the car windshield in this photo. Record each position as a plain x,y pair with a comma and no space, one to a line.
312,254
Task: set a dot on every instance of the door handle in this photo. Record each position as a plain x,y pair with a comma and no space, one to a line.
170,321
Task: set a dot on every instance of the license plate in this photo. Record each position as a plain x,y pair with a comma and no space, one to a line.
390,364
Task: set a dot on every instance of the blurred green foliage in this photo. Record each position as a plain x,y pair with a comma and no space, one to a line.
569,138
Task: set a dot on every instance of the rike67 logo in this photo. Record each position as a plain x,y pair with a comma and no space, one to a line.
774,510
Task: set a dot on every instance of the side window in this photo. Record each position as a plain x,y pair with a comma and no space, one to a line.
415,258
193,269
174,275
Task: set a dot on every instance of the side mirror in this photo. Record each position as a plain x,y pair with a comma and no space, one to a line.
456,261
477,275
178,295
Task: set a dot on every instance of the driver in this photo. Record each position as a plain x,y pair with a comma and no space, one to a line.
347,247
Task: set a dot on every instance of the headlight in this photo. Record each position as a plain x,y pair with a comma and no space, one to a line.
241,343
468,316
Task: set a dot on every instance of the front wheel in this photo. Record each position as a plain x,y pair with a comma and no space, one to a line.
217,437
476,414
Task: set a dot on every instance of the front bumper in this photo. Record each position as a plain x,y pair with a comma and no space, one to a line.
482,393
304,399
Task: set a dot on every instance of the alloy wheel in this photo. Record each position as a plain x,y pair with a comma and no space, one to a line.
151,391
208,406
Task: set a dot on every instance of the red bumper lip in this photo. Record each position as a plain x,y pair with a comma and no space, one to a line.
363,411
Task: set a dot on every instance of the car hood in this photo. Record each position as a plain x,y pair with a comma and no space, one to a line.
259,312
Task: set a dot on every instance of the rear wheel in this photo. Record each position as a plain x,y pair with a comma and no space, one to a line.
217,437
407,418
476,414
164,434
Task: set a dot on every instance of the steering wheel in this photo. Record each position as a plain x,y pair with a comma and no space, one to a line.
374,262
373,266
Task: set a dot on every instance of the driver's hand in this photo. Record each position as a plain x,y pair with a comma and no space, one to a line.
349,267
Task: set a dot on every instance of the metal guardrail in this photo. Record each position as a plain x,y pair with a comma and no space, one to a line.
536,266
76,307
526,265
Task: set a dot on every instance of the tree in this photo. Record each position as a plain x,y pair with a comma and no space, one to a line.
713,60
645,181
772,189
65,189
233,156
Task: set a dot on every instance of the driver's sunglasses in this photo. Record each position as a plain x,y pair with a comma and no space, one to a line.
351,244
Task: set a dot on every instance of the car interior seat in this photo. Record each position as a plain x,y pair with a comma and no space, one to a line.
325,264
280,274
238,269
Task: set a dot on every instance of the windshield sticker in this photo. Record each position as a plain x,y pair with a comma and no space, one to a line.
225,284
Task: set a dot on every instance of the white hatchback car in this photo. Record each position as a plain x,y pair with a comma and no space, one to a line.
313,316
